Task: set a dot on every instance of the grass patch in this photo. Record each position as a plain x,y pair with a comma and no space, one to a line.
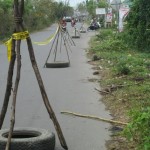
128,71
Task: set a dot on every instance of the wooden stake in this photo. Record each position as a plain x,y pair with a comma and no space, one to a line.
18,13
93,117
9,85
14,96
44,95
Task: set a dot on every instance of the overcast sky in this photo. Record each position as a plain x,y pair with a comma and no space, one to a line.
75,2
72,3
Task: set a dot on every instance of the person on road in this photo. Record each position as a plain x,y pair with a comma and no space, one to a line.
73,22
63,23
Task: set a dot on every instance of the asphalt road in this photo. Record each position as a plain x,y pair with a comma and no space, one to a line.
67,89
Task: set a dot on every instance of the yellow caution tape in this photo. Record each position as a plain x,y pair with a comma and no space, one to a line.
15,36
9,46
20,35
48,40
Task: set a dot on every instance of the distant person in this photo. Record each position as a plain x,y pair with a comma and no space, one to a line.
73,22
63,23
94,25
99,25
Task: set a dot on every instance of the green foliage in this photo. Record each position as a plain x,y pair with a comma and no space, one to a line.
6,5
62,10
102,4
109,41
137,28
37,14
131,63
105,34
82,7
139,128
123,68
91,5
126,66
6,25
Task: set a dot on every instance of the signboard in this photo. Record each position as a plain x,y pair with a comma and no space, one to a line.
109,17
100,11
123,12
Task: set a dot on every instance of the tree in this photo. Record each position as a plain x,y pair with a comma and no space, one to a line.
81,7
138,24
37,15
102,4
6,25
91,6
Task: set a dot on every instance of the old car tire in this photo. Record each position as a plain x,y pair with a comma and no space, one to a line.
28,139
82,31
76,37
57,64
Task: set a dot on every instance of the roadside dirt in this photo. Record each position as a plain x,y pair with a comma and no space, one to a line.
117,110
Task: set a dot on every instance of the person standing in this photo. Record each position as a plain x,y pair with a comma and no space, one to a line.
63,23
73,22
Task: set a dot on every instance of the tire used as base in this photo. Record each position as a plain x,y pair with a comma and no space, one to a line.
57,64
75,37
28,139
82,31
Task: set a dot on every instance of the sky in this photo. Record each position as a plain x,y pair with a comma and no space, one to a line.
72,3
75,2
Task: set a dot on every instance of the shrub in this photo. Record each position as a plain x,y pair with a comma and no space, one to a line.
139,128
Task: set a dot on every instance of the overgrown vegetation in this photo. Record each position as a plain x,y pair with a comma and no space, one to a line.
91,5
138,26
126,74
37,14
128,70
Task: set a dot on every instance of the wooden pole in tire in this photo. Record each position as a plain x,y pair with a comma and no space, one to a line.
8,86
18,13
44,95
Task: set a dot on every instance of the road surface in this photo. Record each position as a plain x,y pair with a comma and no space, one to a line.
68,89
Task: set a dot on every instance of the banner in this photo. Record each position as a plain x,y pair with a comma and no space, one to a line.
100,11
123,12
109,17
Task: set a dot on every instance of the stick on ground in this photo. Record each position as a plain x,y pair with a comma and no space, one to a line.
93,117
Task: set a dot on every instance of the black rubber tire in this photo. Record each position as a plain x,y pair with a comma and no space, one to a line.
83,31
57,64
75,37
28,139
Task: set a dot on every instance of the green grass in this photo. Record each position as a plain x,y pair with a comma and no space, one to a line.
130,68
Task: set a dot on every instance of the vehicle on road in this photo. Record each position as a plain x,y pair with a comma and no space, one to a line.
68,19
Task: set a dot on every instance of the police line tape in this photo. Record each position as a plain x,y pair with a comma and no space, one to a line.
25,35
48,40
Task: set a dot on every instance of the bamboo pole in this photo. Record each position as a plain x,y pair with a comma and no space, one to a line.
70,39
93,117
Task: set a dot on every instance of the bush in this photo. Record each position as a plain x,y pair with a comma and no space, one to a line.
138,25
139,128
123,69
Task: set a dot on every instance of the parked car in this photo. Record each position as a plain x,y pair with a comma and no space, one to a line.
68,19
